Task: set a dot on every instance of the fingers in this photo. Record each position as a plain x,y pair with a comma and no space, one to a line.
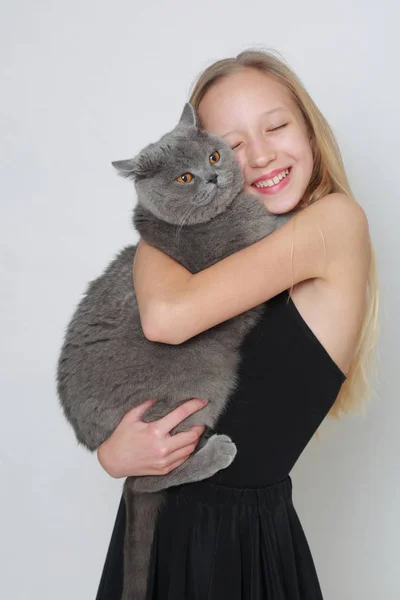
185,438
165,424
173,466
137,412
179,455
170,468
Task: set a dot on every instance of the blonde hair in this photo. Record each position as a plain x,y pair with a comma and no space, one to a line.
328,176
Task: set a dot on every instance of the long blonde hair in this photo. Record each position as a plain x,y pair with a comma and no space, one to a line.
328,176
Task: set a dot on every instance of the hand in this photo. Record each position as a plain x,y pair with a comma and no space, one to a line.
139,448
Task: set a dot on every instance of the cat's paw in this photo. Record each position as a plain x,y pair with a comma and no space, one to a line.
220,451
217,454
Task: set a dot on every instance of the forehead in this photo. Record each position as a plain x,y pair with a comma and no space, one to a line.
183,145
238,99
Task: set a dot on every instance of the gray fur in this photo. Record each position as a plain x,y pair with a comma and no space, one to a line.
107,366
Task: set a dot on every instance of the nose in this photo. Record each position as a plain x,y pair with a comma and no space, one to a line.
213,178
260,153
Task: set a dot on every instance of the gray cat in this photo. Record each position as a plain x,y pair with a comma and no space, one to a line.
192,207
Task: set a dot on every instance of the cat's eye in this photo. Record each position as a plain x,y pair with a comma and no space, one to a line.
214,157
185,178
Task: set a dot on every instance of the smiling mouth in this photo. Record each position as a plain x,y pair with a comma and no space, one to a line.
266,183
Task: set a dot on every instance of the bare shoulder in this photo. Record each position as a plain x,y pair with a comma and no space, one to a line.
332,305
345,232
343,222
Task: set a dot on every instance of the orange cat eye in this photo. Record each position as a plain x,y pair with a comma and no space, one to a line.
214,157
185,178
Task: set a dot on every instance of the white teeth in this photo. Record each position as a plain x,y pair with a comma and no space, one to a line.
274,181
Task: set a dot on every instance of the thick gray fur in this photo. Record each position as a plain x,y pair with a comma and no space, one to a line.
107,366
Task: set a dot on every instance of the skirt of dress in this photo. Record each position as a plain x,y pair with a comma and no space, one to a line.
221,543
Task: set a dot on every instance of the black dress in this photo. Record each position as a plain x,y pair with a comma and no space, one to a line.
236,535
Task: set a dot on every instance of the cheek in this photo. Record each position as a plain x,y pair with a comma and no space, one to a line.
241,160
308,154
299,147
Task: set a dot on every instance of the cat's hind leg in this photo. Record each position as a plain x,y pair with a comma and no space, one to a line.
216,454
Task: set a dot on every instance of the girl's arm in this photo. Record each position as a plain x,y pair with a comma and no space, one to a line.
176,305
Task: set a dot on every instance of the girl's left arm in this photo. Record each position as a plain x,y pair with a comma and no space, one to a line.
176,305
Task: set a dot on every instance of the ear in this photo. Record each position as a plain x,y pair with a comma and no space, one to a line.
189,116
139,167
125,168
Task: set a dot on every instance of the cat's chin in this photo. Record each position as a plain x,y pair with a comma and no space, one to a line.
208,201
207,211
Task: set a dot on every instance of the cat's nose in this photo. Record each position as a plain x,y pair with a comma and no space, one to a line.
213,178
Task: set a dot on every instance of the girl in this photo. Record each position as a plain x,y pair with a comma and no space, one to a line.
236,536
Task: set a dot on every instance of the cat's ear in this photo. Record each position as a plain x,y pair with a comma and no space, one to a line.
189,117
139,167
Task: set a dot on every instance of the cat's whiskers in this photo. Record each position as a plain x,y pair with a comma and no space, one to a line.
180,225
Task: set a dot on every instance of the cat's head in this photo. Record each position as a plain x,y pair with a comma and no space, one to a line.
188,176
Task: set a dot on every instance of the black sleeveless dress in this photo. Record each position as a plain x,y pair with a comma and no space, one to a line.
236,535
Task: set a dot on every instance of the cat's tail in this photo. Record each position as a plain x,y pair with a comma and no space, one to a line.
141,515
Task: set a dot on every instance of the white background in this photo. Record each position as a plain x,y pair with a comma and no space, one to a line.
85,83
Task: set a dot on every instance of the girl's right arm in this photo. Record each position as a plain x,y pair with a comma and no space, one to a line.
139,448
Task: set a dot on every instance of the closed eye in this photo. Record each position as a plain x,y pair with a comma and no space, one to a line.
280,127
274,129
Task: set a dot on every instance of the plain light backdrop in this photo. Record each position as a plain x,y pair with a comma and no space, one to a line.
86,83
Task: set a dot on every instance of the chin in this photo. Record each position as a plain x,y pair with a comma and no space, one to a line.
275,204
279,206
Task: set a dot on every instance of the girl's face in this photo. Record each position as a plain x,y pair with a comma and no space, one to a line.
257,117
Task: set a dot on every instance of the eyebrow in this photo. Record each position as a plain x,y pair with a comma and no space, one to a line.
268,112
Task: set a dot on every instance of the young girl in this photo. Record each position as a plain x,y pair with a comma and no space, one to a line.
236,536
